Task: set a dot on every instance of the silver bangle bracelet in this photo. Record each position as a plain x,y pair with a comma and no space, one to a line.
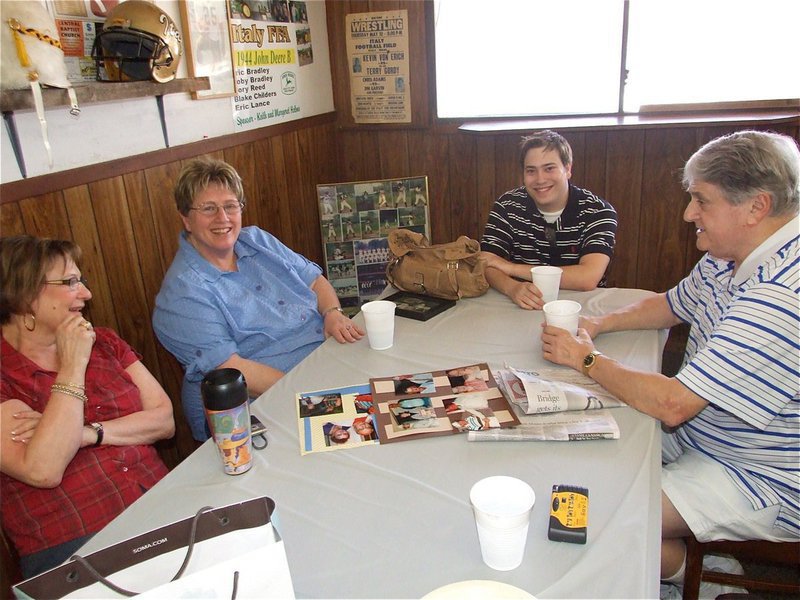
331,309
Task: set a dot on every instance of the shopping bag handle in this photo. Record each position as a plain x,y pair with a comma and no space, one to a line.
122,591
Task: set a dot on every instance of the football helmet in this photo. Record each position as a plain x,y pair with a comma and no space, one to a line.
139,42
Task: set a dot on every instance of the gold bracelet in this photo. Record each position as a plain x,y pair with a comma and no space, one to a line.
69,384
57,387
331,309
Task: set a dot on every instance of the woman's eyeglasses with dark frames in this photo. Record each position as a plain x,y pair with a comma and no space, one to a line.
72,282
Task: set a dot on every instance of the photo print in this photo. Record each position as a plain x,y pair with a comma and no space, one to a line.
443,402
333,228
416,413
371,280
336,419
355,220
372,252
407,385
313,405
370,223
419,307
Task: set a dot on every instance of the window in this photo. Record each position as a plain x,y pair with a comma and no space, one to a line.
507,58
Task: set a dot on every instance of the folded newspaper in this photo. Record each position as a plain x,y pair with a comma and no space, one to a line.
558,427
552,390
553,405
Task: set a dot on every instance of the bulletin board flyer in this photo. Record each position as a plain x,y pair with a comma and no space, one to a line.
377,54
78,23
269,45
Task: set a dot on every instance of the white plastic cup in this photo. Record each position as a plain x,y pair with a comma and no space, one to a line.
548,280
502,507
379,318
564,314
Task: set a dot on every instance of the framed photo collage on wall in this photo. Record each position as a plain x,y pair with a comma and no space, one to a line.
355,219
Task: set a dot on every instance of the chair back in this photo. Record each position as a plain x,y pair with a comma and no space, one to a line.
756,551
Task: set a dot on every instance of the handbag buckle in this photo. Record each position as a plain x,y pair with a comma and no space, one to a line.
420,282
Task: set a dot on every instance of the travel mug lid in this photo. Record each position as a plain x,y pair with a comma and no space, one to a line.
223,389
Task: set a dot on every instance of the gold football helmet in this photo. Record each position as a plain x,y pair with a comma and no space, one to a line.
139,42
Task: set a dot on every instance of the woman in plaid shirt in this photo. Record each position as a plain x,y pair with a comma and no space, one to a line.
78,409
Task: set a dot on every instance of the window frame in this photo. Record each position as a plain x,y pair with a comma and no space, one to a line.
755,111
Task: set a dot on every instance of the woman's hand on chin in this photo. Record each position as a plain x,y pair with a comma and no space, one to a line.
74,340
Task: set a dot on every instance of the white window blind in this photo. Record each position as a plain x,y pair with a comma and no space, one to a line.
509,58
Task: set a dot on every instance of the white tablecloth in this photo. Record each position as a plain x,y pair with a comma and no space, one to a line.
394,521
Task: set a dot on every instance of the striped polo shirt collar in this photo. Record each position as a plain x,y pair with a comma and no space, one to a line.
766,249
571,208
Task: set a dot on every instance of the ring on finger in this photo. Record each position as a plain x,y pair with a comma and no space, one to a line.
87,325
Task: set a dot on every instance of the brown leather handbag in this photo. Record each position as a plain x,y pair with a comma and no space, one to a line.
450,271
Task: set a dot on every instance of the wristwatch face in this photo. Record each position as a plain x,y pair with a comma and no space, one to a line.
588,361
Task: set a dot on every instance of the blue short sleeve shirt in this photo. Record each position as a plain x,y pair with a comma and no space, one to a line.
265,311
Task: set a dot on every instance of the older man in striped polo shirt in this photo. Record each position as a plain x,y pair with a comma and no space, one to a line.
731,457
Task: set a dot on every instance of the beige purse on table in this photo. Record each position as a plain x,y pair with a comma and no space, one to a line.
452,271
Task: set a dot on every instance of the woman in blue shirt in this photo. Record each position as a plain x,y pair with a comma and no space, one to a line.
237,297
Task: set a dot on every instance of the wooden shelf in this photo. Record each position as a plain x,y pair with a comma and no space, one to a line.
101,91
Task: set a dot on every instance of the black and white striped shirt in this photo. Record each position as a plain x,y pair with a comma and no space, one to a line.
517,231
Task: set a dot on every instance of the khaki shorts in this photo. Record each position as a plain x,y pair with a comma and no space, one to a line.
712,506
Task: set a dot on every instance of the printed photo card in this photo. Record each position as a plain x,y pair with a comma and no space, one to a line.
439,403
336,419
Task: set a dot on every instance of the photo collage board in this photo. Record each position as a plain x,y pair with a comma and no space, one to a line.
355,220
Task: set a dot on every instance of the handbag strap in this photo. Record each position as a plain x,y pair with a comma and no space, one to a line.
452,267
419,281
122,591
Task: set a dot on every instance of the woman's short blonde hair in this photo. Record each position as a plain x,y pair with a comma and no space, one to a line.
200,173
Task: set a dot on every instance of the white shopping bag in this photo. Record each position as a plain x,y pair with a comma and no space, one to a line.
236,554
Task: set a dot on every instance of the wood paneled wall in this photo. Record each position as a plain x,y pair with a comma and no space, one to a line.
123,214
637,169
128,227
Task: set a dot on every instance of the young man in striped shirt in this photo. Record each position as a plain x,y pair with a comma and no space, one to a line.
547,221
731,458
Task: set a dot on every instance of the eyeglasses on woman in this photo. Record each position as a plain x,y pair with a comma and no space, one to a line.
72,282
211,210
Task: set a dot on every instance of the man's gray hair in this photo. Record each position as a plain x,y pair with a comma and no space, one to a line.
746,163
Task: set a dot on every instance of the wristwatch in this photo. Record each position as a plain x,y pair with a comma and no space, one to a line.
590,360
98,429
